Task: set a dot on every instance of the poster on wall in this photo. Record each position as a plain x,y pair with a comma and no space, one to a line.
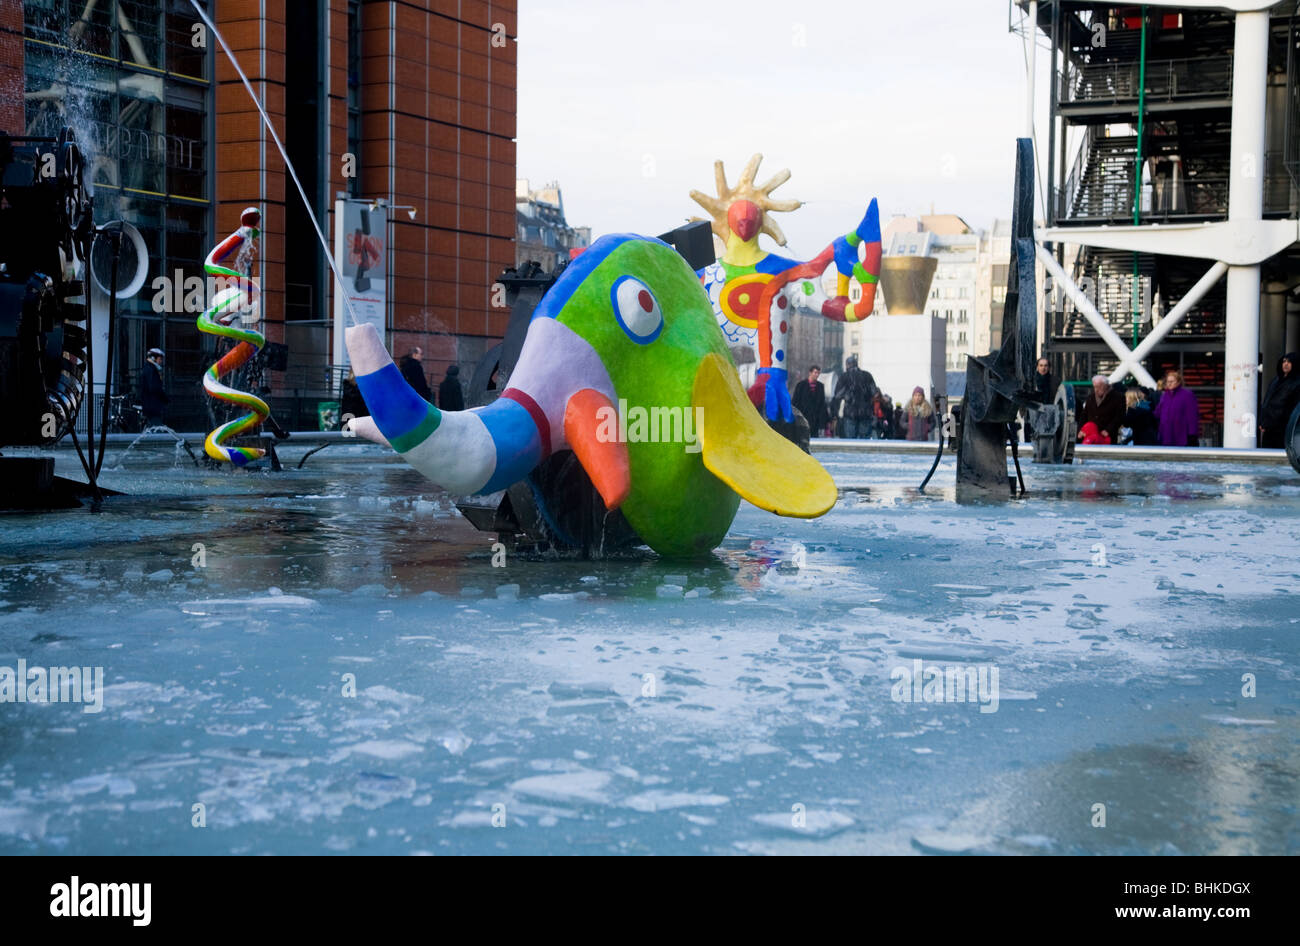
360,234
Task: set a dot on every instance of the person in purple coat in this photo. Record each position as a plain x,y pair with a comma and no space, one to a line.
1177,414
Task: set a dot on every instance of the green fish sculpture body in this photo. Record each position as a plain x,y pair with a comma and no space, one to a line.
623,364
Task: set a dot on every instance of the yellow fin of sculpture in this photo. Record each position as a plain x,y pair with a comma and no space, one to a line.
740,449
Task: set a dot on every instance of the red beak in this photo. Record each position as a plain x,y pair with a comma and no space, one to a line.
744,218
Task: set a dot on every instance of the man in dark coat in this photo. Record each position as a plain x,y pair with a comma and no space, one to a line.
413,372
1043,386
810,400
1043,390
854,391
352,404
1280,401
450,396
1104,407
153,394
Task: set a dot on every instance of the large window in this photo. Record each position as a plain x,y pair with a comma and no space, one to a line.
131,80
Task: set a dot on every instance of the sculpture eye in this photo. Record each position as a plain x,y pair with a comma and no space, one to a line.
637,310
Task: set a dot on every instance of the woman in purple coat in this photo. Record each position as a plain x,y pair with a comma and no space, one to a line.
1177,414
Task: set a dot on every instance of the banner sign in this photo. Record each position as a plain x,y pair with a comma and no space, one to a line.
360,238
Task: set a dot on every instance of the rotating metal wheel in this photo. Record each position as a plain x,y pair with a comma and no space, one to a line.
1067,428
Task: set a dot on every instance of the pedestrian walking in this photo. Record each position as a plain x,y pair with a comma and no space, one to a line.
153,392
450,395
413,372
1043,391
920,416
1280,401
852,402
882,414
810,400
1177,414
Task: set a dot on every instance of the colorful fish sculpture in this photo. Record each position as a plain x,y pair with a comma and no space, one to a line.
624,365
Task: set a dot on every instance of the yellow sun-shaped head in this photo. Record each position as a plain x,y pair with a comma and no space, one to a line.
754,218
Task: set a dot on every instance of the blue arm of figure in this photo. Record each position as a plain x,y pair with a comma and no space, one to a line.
776,396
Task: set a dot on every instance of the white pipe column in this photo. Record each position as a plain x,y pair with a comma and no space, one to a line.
1033,54
1245,208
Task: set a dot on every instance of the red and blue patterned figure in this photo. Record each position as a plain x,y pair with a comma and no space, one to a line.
755,292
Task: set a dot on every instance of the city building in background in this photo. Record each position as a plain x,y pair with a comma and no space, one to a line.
902,344
968,290
991,284
542,234
962,255
410,104
1171,158
954,290
813,340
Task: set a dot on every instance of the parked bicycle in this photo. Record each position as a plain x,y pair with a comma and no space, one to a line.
124,418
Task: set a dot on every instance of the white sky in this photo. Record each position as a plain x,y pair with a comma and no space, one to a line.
915,102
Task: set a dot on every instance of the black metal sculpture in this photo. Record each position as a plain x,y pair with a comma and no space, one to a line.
46,230
1000,385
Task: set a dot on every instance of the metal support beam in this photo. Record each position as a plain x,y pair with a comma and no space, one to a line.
1235,5
1236,242
1099,324
1129,362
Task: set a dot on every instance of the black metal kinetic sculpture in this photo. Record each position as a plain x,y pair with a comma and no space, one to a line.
1000,385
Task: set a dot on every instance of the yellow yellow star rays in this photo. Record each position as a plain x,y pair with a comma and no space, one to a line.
745,190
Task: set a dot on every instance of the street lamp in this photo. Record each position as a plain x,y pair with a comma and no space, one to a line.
377,202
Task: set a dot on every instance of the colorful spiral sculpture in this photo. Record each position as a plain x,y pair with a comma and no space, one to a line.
239,295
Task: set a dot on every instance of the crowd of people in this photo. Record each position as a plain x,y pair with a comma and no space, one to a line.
1166,415
859,410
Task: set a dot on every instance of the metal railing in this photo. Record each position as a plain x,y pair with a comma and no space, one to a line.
1100,186
1112,294
1109,197
294,399
1066,194
1200,324
1167,80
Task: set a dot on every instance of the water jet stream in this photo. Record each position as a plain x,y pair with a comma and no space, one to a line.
320,234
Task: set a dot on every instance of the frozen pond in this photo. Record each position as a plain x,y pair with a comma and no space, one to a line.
743,705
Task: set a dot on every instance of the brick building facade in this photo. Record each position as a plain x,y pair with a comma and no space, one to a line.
420,94
432,126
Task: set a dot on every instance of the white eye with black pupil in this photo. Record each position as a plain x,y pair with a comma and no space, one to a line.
637,310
